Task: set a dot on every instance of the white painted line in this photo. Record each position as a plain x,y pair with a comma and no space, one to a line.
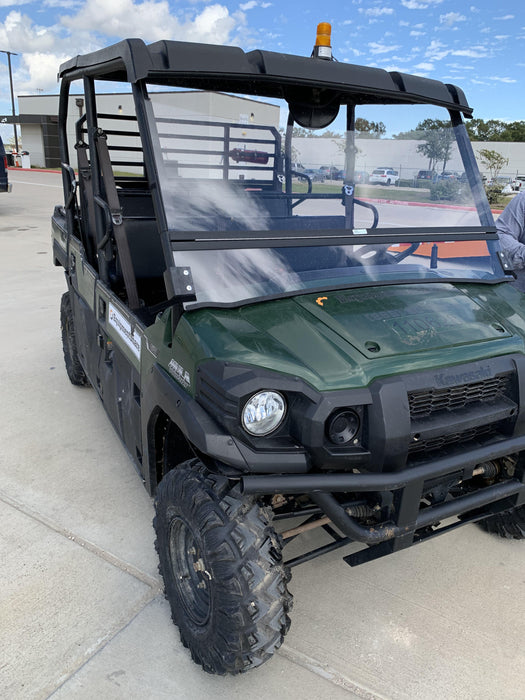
37,184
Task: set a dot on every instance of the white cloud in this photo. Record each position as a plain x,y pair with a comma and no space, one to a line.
504,17
19,34
450,18
376,48
376,11
12,3
62,4
472,52
501,80
97,23
151,20
248,5
460,66
420,4
425,66
436,50
414,33
42,69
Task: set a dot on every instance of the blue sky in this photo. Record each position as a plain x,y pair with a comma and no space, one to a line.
479,46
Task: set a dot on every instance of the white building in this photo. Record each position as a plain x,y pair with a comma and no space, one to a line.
38,116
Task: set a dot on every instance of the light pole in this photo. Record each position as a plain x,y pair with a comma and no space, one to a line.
9,54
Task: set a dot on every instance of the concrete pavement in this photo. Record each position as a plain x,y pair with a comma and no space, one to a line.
82,613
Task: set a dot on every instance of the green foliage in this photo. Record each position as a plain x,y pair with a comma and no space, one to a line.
298,131
493,193
448,190
495,130
493,161
367,129
478,130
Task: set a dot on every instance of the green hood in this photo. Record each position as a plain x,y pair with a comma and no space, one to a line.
346,339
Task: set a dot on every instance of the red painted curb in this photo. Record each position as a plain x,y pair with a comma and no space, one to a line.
15,169
424,204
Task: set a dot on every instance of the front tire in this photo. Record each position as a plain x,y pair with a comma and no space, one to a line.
510,524
74,369
222,568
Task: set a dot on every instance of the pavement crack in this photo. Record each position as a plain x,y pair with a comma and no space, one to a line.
327,672
154,583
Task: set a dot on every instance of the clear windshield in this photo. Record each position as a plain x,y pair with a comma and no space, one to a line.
232,167
242,274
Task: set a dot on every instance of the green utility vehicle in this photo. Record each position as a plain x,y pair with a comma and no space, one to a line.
269,348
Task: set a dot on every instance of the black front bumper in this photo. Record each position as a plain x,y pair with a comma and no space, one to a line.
414,519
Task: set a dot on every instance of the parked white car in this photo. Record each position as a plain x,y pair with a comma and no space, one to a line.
384,176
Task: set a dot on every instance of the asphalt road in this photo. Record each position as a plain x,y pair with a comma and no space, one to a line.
82,614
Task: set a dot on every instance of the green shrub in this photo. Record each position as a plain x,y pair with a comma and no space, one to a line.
493,193
448,190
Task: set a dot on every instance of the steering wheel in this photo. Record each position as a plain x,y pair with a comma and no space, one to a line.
383,255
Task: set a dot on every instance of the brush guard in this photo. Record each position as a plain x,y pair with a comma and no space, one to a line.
411,523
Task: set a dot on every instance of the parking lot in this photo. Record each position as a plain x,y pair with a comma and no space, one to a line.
82,612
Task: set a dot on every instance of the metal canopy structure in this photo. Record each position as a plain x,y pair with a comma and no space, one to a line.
226,68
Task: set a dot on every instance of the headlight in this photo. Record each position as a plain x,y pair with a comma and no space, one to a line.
263,413
343,426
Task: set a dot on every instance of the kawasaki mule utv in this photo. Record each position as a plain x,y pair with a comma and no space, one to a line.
270,348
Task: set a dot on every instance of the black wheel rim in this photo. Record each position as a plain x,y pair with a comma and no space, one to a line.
190,574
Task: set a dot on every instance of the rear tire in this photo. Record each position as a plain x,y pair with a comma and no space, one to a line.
222,568
510,524
74,369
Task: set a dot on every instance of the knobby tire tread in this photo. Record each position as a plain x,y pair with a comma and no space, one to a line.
250,599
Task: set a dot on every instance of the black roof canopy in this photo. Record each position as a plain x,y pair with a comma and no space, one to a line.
230,69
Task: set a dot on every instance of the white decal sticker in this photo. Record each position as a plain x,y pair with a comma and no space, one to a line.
123,328
180,374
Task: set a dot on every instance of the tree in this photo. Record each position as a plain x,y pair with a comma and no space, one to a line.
369,130
493,161
413,134
438,137
495,130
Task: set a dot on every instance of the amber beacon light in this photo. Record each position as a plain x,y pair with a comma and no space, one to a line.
323,48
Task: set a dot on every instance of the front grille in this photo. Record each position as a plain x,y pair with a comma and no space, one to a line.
436,443
424,402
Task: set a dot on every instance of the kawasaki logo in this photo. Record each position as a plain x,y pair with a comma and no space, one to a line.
463,377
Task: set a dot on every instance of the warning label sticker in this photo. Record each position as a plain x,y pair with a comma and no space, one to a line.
123,328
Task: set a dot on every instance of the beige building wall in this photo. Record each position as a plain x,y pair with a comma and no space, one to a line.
401,155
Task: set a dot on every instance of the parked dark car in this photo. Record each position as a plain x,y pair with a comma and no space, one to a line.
331,172
315,175
426,175
4,180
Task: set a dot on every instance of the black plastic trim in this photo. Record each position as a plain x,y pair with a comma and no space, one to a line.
390,481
